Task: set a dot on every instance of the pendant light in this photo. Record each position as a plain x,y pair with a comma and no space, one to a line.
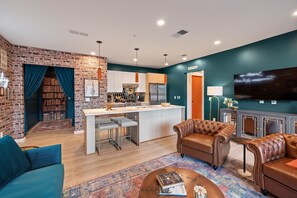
165,57
99,68
136,64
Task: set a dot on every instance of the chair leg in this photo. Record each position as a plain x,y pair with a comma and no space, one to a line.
182,155
215,167
264,192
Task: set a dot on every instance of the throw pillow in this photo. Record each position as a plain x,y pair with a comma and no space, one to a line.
13,161
291,145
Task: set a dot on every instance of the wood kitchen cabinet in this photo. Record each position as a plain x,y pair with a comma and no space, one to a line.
156,78
114,81
129,77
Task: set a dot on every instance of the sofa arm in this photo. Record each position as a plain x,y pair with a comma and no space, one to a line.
184,128
265,149
44,156
225,134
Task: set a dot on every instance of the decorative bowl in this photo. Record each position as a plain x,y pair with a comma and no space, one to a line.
165,104
109,106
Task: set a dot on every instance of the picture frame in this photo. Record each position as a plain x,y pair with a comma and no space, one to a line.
3,59
91,88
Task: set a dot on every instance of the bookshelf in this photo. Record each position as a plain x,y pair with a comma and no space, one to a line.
53,100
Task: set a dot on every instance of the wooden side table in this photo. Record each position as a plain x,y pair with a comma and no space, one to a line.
151,188
241,140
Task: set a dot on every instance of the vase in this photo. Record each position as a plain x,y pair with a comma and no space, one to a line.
230,104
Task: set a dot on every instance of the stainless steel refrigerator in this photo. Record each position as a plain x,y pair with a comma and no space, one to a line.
157,93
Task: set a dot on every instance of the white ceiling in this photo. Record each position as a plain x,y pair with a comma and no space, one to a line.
46,24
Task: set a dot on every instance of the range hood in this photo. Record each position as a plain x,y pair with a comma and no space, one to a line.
130,85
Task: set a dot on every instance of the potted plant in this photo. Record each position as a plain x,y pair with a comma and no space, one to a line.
230,102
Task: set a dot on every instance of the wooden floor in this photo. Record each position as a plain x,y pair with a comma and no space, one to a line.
80,168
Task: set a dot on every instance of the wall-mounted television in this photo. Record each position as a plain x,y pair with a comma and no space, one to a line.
280,84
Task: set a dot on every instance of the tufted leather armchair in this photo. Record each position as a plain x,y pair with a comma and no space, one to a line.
270,171
206,140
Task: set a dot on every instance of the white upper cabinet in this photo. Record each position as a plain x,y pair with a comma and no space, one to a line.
142,82
114,81
128,77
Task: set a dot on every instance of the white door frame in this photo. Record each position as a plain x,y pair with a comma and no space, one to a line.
189,92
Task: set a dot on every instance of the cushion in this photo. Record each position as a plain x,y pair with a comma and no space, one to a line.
279,171
291,145
46,182
13,161
199,142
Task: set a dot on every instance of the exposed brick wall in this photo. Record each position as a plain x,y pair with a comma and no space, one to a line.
5,104
85,67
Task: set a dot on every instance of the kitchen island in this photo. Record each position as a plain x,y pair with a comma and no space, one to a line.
154,122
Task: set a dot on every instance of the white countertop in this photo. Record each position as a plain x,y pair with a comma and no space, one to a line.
133,109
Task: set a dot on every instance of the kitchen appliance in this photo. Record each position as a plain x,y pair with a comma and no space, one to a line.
157,93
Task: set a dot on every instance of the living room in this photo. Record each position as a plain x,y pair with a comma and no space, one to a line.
59,84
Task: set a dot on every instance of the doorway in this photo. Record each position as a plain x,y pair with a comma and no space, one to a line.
195,95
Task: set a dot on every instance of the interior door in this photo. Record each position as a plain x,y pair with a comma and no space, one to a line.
197,97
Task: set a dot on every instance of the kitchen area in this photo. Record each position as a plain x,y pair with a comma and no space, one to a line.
138,98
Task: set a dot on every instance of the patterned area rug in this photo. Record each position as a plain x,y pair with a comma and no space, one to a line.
127,182
52,125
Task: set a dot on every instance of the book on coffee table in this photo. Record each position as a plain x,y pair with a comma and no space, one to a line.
170,179
179,190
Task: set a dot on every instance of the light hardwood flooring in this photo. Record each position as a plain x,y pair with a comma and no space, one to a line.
80,168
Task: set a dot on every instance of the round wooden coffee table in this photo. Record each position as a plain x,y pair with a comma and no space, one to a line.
150,187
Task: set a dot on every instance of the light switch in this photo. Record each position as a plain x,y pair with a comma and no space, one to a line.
273,102
87,99
261,101
174,97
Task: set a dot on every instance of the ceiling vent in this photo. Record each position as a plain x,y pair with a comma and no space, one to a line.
78,33
180,33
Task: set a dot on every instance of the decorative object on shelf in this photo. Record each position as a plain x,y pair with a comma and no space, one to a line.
91,88
99,68
230,102
109,106
165,57
3,59
200,192
214,92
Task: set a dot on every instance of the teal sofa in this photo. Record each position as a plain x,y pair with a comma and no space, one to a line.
33,173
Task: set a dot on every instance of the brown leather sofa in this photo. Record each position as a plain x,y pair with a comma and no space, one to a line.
270,171
203,139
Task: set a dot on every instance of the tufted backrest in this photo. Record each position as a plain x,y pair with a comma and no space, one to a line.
208,127
291,145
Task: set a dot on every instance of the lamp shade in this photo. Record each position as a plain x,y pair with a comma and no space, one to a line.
214,90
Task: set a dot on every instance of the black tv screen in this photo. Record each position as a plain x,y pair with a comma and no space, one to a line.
280,84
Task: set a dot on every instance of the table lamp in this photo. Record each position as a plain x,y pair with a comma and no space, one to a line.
214,92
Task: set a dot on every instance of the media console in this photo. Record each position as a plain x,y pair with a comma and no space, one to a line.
255,124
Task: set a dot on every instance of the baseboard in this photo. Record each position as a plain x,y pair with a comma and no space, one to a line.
20,140
79,132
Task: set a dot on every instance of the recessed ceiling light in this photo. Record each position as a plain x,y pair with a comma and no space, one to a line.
217,42
160,22
93,53
295,13
134,59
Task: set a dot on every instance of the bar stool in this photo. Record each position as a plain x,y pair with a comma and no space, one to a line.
124,122
109,125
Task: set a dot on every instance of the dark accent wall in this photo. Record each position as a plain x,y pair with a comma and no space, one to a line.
273,53
127,68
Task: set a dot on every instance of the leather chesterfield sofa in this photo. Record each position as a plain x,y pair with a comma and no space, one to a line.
203,139
270,171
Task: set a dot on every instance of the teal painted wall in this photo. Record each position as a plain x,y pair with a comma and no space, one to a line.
127,68
273,53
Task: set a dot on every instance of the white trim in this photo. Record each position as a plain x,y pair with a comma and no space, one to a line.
20,140
79,132
189,92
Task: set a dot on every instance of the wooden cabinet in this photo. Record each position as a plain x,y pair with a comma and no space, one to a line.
156,78
141,82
